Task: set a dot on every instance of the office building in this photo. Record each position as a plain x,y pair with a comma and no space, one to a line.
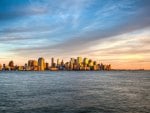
0,67
79,60
85,61
11,64
47,66
41,64
58,63
52,62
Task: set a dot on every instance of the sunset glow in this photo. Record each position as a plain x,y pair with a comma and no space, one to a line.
112,32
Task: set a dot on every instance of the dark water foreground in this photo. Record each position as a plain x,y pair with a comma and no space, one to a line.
75,92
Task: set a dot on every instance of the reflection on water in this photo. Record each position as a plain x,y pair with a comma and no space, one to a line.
75,92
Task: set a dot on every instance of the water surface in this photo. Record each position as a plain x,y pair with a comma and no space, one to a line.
75,92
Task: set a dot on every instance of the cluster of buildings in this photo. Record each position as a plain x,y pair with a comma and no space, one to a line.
74,64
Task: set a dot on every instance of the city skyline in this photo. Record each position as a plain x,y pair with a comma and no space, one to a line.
112,32
74,64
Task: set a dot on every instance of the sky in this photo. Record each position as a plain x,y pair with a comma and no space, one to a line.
115,32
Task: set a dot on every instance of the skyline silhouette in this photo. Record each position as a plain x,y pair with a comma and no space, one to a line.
74,64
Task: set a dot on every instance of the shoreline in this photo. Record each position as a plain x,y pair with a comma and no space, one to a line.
73,70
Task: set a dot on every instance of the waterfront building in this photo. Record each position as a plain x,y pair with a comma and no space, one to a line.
35,63
94,63
62,63
58,63
108,67
95,67
41,64
79,60
54,69
20,68
72,60
47,66
32,63
52,62
71,65
0,67
44,65
67,66
101,66
11,65
90,63
85,61
4,67
26,67
75,67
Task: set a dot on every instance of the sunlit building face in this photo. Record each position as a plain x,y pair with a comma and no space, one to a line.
41,64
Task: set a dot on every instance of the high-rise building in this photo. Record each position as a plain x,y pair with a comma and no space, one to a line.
11,64
25,66
62,63
52,62
35,63
58,63
85,61
108,67
4,66
90,63
47,66
79,60
94,63
72,60
0,67
67,65
41,64
71,65
30,63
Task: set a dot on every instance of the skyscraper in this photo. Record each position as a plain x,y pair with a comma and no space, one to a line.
58,63
41,64
0,67
52,62
4,66
47,66
79,60
85,61
11,64
62,63
30,63
72,60
90,63
35,63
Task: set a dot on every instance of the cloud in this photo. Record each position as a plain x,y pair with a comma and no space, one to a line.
11,39
140,21
28,29
20,13
20,9
126,44
64,10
